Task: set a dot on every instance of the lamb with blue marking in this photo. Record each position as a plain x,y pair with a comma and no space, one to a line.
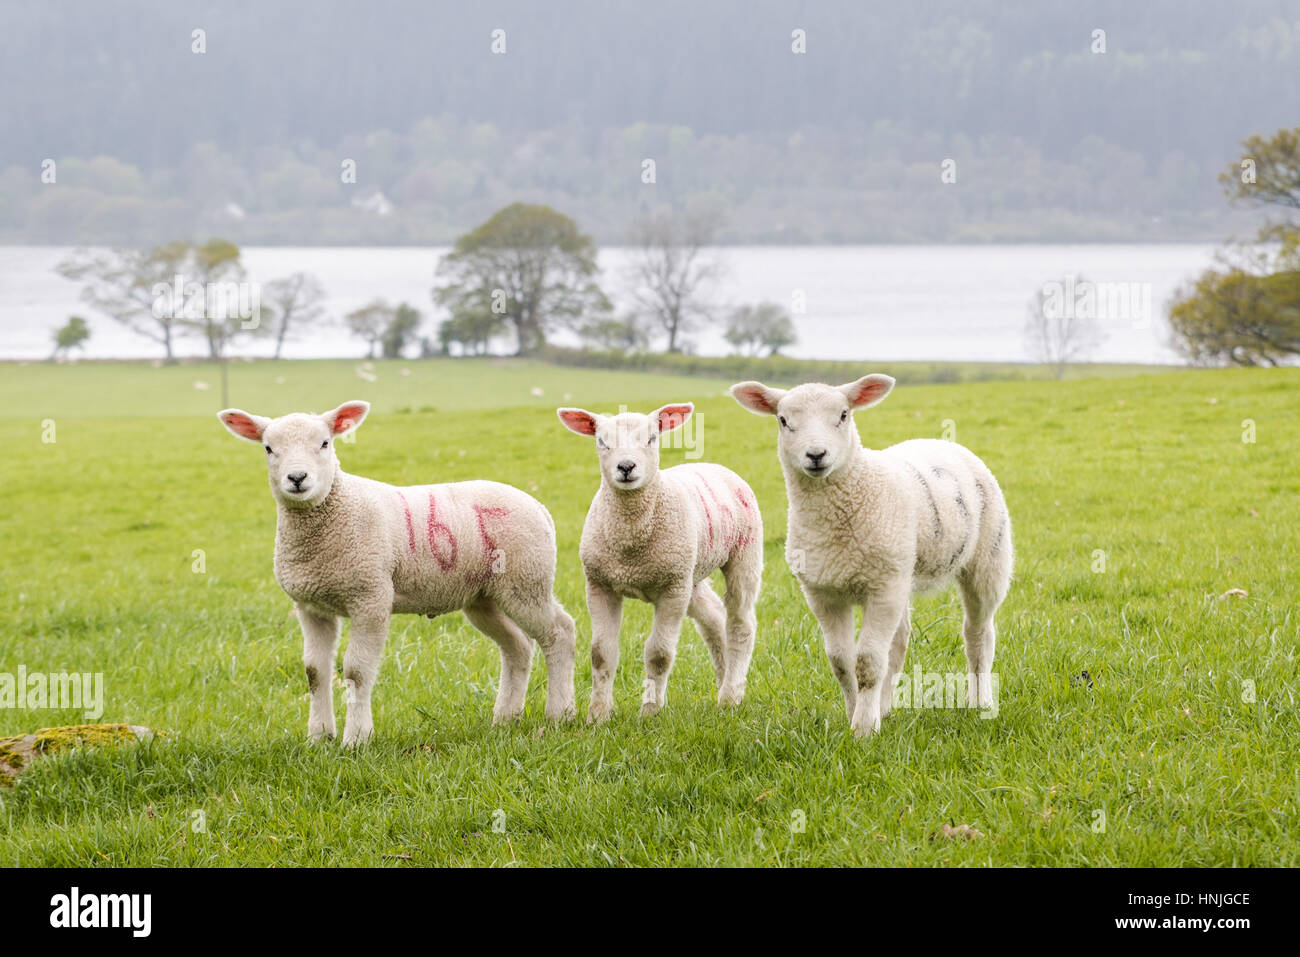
869,528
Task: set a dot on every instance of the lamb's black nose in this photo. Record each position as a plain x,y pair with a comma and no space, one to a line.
815,457
296,478
626,467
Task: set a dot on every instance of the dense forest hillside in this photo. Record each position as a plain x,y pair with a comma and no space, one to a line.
250,138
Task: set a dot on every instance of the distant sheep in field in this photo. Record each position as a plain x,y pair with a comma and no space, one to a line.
657,536
350,547
868,528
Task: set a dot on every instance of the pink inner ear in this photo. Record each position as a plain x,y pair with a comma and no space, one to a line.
347,417
757,399
869,391
244,426
671,416
579,421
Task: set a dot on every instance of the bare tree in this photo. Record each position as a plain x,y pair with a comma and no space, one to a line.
296,300
672,268
121,284
1060,328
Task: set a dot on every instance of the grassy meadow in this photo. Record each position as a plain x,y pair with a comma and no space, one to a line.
138,543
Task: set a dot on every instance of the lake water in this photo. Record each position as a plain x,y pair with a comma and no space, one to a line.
867,302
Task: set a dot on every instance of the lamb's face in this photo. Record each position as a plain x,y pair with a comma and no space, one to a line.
627,444
628,448
816,433
299,449
300,459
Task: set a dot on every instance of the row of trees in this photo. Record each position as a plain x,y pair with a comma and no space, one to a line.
525,273
529,271
182,288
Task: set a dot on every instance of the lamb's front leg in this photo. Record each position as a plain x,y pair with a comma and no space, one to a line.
360,670
836,619
880,618
661,649
606,611
320,640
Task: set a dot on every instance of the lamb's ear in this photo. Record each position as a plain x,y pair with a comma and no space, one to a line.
868,390
346,417
672,416
244,424
578,420
756,397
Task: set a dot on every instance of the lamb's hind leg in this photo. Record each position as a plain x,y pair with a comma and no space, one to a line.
710,617
516,658
547,623
982,591
744,575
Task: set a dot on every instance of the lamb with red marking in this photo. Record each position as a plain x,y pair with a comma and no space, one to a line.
351,547
658,536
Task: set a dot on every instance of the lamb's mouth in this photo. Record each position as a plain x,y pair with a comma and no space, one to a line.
816,471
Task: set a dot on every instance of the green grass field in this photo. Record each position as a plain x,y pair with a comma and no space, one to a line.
1182,751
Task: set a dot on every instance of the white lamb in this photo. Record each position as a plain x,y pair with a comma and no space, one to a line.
658,536
351,547
868,528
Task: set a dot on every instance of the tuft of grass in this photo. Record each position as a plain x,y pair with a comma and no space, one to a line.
138,544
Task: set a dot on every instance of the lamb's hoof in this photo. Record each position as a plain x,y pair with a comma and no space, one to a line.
320,737
649,709
502,716
562,714
866,729
731,697
598,712
355,739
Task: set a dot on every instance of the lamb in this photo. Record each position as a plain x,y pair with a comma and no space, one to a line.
657,536
347,546
869,528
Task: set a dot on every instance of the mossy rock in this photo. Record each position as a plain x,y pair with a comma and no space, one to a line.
17,753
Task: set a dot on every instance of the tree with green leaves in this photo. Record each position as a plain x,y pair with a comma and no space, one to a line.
401,330
70,336
370,322
472,331
624,334
765,326
528,265
217,304
1248,312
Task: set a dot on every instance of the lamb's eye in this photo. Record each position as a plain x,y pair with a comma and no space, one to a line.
268,449
600,444
325,444
781,419
653,440
844,415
